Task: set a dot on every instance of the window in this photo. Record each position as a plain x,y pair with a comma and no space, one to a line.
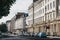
42,19
46,17
45,8
59,13
53,4
46,1
50,5
54,15
40,11
43,3
50,16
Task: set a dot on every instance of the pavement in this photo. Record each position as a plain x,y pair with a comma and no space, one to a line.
53,37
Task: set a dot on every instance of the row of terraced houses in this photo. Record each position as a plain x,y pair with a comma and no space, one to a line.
46,17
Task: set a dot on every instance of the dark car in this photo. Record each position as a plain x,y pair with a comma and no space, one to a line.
42,35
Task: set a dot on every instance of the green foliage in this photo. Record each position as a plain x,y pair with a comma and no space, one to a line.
5,7
3,28
35,0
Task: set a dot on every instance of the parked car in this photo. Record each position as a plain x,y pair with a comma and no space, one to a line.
42,35
26,34
5,35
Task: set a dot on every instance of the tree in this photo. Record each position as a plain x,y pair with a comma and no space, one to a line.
3,27
5,7
35,0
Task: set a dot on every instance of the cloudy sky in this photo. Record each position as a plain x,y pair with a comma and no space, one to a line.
18,6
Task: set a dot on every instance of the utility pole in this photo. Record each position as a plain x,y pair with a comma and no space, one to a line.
33,16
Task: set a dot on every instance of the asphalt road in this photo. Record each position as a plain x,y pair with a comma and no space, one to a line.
27,38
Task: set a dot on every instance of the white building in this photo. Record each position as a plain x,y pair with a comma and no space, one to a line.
12,24
8,25
20,22
46,16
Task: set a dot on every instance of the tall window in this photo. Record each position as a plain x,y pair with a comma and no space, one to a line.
53,4
54,15
45,8
46,1
50,16
43,3
46,17
50,5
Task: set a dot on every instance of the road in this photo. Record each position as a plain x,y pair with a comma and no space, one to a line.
27,38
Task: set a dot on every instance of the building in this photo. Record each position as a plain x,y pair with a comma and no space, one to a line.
20,23
46,17
12,24
8,25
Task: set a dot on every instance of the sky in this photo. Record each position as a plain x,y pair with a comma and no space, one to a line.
18,6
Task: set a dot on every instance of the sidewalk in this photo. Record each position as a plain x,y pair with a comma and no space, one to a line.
53,37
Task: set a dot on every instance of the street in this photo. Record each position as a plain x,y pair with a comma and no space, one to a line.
28,38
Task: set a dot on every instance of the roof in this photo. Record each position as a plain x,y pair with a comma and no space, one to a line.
19,14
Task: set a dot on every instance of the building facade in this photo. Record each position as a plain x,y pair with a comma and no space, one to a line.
20,23
8,25
12,24
46,17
